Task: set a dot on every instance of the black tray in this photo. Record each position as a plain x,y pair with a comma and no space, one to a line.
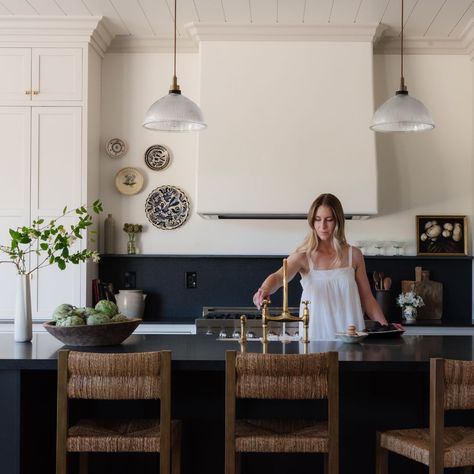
385,334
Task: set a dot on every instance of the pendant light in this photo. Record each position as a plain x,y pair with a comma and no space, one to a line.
174,112
402,113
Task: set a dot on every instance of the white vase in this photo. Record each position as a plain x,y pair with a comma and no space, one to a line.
409,313
23,324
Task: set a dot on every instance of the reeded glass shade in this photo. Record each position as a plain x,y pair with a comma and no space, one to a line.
174,113
402,113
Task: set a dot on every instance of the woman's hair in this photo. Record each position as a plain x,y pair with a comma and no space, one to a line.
311,242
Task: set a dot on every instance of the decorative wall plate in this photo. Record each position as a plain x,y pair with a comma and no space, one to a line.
157,157
167,207
129,181
116,147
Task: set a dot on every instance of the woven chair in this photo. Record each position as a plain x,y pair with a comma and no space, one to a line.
130,376
439,446
282,377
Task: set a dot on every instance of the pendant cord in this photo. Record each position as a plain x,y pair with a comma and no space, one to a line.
402,79
175,2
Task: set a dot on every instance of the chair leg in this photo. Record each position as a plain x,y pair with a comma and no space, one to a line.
83,463
230,459
381,457
61,462
237,463
176,452
325,463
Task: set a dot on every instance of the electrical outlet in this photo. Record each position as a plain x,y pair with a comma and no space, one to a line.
190,280
129,280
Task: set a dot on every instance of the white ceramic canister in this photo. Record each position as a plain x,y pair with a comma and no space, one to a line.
131,303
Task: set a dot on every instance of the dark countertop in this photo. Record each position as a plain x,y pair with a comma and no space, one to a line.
439,323
198,352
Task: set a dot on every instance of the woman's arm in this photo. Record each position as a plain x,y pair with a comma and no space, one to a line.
296,262
369,303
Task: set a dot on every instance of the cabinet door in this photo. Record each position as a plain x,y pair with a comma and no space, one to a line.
15,76
56,152
56,74
15,125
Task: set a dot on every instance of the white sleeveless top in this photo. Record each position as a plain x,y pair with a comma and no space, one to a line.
334,300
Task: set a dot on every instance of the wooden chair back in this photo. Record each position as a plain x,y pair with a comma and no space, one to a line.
283,377
451,388
100,376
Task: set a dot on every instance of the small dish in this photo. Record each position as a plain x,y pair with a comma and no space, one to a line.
157,157
167,207
129,181
116,147
351,339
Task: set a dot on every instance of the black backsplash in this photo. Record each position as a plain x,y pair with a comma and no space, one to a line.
232,280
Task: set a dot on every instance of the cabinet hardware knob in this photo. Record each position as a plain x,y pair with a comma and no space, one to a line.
35,92
28,92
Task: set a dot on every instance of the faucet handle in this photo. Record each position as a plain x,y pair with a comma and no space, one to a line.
266,302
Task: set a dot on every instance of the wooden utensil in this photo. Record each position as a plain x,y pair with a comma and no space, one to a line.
387,283
376,278
381,277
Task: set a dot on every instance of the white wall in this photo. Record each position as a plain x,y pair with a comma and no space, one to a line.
418,173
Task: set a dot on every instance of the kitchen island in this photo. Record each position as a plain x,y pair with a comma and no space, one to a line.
384,384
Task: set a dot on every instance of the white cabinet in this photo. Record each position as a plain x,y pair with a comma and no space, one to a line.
56,151
15,140
39,75
40,156
50,79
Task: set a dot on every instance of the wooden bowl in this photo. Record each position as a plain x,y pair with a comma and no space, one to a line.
93,335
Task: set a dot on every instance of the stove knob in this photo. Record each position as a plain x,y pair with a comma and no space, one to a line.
223,334
236,334
209,332
251,335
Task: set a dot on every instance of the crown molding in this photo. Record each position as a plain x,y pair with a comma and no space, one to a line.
391,45
468,38
233,32
133,44
463,44
55,29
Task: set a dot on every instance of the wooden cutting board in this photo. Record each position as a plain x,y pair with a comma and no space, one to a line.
431,292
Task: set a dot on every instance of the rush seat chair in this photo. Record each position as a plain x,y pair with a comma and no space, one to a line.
439,446
124,376
282,377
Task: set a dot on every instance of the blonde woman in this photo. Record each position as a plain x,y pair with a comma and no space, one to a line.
333,274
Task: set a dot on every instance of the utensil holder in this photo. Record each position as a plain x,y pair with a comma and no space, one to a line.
386,303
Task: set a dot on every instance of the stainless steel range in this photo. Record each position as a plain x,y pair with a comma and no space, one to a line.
224,323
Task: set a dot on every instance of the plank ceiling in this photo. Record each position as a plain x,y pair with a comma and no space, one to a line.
428,19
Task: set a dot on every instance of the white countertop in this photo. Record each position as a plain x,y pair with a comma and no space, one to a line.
147,328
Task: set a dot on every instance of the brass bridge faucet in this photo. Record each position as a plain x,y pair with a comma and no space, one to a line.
285,316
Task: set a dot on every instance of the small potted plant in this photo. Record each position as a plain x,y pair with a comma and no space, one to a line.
132,230
410,302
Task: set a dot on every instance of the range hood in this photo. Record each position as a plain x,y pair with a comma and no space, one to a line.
229,216
287,122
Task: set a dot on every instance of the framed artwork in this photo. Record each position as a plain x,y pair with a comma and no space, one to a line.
441,235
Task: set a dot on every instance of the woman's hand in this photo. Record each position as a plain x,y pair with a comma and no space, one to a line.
398,326
259,296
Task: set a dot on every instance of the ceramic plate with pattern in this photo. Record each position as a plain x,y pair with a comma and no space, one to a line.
116,147
129,181
167,207
157,157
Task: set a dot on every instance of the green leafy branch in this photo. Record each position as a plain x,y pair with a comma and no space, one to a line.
51,241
